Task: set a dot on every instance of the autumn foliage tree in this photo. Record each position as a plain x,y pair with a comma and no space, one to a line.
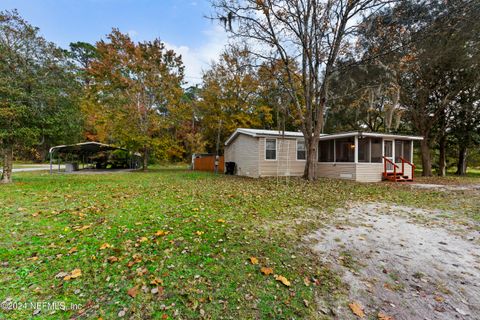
137,88
38,92
229,98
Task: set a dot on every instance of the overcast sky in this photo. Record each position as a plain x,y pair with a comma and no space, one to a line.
178,23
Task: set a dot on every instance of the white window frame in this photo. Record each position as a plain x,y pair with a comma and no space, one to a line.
296,150
276,149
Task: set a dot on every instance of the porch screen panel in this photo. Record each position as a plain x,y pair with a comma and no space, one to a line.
398,150
345,150
407,150
363,149
376,150
326,151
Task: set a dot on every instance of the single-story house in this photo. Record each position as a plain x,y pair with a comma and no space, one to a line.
360,156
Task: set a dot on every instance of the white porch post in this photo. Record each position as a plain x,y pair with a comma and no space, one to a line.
411,151
393,150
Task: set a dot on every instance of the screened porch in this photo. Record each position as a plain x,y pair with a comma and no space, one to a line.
366,156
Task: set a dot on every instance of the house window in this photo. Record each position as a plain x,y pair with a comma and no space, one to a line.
376,150
301,153
345,150
363,149
326,150
271,149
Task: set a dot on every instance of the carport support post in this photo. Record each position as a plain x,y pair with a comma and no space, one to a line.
51,164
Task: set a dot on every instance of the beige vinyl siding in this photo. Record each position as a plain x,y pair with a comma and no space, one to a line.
244,152
369,172
336,170
286,163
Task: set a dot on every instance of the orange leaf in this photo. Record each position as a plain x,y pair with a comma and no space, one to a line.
112,259
283,280
104,246
156,281
74,249
266,271
160,233
74,274
221,221
357,309
132,292
383,316
253,260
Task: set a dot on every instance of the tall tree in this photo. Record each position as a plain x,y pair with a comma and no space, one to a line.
38,104
137,86
229,97
310,33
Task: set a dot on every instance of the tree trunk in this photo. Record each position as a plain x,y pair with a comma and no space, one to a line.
462,161
7,165
426,158
145,159
309,172
442,161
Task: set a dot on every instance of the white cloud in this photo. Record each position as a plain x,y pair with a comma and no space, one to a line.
198,59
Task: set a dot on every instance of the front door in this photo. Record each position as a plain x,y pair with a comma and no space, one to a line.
388,153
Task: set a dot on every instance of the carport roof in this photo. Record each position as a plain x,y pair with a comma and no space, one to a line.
84,148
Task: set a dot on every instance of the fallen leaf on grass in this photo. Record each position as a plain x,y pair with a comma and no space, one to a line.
383,316
105,246
266,271
80,229
61,275
283,280
34,258
136,259
161,233
74,249
74,274
357,309
253,260
132,292
199,233
156,281
306,281
221,221
112,259
143,239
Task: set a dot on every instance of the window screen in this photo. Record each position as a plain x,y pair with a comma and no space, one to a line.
376,150
326,151
363,149
271,149
301,154
345,150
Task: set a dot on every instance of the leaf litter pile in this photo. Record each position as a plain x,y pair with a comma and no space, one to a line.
171,243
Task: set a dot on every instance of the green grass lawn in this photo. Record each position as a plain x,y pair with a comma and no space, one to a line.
172,243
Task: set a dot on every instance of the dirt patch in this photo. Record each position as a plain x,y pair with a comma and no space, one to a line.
446,187
397,266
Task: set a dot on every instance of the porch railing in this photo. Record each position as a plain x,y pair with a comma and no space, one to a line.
410,164
385,161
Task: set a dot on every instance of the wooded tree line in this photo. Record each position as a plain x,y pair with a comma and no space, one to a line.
310,65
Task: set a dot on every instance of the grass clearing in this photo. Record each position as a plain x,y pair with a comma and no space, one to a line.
178,241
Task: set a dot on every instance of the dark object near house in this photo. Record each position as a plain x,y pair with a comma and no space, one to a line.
230,168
